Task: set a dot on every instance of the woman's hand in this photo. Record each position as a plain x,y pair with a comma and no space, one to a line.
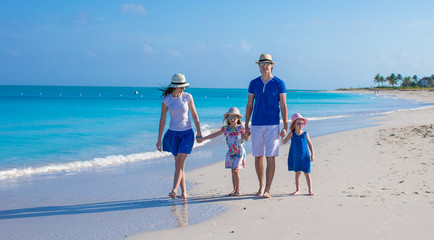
158,145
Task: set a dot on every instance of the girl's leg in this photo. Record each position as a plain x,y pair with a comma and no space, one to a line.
309,183
179,176
297,183
233,182
236,182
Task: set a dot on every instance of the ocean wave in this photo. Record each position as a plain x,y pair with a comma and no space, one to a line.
77,166
80,165
329,117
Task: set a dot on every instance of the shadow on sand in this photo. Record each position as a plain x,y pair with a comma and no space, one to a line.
114,206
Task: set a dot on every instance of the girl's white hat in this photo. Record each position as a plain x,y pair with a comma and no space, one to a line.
233,111
178,80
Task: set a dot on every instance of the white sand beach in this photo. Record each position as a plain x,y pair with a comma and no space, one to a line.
370,183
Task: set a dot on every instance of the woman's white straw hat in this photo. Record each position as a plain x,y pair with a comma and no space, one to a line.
178,80
265,58
233,111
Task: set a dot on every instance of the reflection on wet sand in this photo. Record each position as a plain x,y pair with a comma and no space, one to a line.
179,211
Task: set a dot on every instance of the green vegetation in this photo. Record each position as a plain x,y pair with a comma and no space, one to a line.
404,82
398,82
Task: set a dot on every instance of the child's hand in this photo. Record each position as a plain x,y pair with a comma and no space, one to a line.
246,137
199,139
283,133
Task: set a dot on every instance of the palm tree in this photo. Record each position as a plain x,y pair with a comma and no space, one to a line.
382,80
392,79
398,78
377,79
414,80
406,82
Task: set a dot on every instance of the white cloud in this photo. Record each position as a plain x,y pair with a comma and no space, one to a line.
289,25
81,18
245,46
90,53
133,9
146,48
419,24
319,22
202,46
174,53
13,53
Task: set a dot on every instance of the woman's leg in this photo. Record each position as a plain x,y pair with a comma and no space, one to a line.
179,175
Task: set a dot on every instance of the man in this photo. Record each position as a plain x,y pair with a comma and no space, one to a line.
266,94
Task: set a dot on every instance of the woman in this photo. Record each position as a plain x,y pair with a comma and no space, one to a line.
179,138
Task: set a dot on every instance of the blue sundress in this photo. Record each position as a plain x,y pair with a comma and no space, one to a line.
299,156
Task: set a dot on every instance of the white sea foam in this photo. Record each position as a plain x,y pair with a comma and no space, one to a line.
94,163
329,117
80,165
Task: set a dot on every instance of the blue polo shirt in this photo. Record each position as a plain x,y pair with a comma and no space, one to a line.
266,110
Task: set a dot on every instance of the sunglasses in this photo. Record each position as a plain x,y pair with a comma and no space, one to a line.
264,64
232,117
300,123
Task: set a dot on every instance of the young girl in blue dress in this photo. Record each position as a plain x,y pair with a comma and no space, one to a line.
235,137
299,157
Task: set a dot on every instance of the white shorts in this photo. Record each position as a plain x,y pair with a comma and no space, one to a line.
265,140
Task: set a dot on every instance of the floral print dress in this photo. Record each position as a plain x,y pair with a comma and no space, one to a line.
236,156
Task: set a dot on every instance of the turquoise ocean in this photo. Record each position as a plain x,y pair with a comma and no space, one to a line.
80,148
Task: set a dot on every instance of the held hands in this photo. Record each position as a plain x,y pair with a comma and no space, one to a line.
283,133
199,139
282,139
247,131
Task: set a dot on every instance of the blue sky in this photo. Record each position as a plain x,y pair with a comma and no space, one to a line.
315,44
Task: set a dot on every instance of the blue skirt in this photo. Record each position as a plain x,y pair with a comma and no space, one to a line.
178,141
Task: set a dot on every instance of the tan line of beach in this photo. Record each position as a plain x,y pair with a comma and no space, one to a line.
370,183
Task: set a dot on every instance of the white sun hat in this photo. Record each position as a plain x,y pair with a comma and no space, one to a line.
178,80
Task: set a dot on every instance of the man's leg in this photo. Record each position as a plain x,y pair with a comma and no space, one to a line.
259,166
271,167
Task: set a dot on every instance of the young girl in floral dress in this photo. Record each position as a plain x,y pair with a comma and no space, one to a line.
235,137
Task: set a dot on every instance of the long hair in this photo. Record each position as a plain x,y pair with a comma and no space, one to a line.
166,91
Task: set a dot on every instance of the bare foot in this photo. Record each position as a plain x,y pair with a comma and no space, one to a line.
183,196
236,193
267,195
311,193
295,193
172,195
260,192
230,194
